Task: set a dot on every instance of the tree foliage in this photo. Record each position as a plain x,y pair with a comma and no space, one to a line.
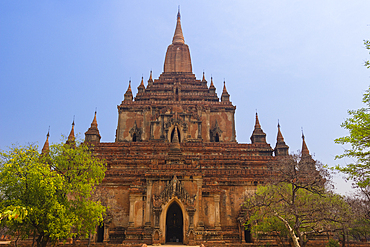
360,224
358,125
297,197
367,45
51,192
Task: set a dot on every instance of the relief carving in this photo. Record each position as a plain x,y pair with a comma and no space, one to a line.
174,188
215,133
135,133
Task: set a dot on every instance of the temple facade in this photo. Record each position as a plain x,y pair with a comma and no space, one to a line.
175,172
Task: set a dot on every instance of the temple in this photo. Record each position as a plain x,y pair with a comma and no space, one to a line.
175,171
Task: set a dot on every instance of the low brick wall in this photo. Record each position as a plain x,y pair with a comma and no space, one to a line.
311,243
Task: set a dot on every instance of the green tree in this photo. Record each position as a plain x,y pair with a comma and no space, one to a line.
360,225
367,45
53,190
296,196
358,125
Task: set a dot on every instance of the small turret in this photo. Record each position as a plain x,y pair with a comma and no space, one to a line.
281,148
141,87
92,134
150,81
212,88
128,94
258,136
225,97
204,81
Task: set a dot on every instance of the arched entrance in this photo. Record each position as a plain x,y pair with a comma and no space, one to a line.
173,133
100,234
174,224
247,234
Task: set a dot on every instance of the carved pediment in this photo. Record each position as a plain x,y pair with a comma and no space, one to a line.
174,188
135,131
175,121
215,132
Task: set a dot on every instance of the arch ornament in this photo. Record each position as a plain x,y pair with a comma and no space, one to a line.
215,133
135,132
174,188
170,124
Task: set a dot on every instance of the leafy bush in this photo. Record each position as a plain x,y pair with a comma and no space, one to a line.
332,243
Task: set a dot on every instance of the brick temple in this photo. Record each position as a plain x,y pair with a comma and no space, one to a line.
175,171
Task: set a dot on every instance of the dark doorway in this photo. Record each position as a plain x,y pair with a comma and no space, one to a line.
174,224
178,134
134,137
217,138
100,233
247,235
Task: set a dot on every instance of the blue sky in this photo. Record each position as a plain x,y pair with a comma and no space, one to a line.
297,61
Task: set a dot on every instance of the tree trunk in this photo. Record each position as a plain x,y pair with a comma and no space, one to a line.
42,240
344,239
34,237
16,241
291,231
45,241
88,243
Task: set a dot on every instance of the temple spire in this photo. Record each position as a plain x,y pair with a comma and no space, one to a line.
92,134
129,87
225,97
128,95
178,55
94,122
280,148
212,88
258,136
141,87
257,124
178,37
71,136
45,148
279,138
150,81
304,151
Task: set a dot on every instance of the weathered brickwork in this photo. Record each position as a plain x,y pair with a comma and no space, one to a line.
175,171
